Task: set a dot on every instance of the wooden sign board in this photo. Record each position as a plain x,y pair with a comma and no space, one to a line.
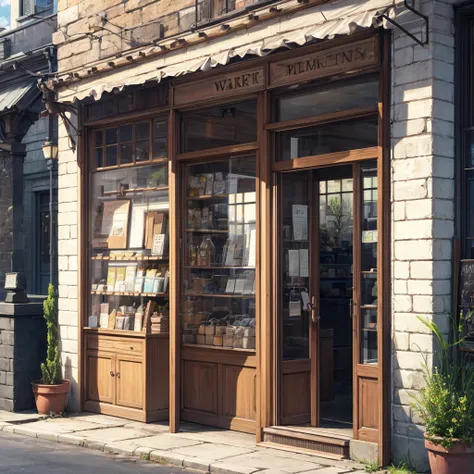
326,62
216,87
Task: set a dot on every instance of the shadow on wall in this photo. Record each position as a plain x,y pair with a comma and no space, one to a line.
71,374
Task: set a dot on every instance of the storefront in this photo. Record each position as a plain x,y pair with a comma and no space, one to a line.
234,248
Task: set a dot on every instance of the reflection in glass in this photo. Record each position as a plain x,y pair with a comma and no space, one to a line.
142,130
295,239
111,136
219,126
345,95
126,153
369,244
160,129
111,156
126,133
99,157
98,138
142,152
160,148
334,137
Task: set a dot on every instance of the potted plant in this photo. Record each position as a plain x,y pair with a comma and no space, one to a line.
446,406
51,391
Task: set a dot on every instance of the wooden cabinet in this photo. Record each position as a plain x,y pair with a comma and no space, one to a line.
116,371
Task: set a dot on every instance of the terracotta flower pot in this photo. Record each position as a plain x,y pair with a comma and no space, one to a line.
457,459
51,398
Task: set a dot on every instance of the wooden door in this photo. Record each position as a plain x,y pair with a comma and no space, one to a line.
367,308
100,370
129,379
298,326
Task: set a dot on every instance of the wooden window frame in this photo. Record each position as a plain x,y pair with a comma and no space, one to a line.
117,125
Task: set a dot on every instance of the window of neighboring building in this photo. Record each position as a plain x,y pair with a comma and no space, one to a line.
30,7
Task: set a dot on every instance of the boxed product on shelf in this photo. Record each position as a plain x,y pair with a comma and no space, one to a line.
209,339
228,341
218,340
248,342
201,339
238,343
188,337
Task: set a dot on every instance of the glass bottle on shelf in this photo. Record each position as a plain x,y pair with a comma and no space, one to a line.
207,252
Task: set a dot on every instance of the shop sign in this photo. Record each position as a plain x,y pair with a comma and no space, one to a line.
220,86
344,58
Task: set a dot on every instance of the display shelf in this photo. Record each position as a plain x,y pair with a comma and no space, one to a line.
129,293
135,190
218,295
131,259
208,196
219,348
369,306
124,332
218,267
333,279
369,329
208,231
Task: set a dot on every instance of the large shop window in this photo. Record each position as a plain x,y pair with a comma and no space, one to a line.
220,254
129,229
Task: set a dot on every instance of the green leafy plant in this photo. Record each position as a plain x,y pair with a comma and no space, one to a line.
446,403
51,368
400,469
370,466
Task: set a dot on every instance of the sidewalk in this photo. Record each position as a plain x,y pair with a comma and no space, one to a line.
197,447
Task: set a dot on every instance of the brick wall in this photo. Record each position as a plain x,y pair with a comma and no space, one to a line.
89,30
422,210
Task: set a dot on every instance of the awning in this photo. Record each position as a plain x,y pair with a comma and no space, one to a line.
325,21
18,94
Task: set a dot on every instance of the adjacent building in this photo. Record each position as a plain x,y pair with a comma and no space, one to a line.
256,201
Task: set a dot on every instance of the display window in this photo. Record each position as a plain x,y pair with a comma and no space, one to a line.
220,254
129,221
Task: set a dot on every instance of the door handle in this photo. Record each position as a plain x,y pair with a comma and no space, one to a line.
351,308
112,374
118,375
315,317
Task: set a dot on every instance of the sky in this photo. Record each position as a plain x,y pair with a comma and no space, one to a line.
4,13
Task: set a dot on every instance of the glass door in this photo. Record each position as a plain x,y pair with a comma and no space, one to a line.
316,264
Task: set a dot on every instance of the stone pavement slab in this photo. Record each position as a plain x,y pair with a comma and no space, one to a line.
262,460
21,417
214,435
110,435
64,425
163,442
104,420
213,452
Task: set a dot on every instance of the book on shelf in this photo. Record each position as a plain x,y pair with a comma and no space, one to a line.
120,279
112,317
111,278
130,275
159,245
150,307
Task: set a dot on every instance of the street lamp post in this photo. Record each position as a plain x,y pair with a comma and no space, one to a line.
50,152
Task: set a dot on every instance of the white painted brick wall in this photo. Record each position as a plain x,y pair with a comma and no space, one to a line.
422,211
67,261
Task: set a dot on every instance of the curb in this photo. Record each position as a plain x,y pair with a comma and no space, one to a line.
154,455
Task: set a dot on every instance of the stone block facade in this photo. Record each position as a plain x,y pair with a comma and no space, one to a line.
68,316
422,211
91,30
22,349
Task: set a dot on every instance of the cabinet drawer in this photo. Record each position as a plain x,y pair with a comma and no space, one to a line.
115,344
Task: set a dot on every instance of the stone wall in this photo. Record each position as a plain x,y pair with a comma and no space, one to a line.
22,349
422,210
89,30
67,262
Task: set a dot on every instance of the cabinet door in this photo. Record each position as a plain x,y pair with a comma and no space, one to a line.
129,379
100,372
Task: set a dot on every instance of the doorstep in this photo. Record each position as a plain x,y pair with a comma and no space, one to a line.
198,447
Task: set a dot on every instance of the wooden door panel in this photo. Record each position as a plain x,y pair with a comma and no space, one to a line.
368,405
200,386
238,392
100,382
296,391
130,382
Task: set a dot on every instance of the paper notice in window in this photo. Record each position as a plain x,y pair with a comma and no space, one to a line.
304,263
294,263
369,236
115,218
300,222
